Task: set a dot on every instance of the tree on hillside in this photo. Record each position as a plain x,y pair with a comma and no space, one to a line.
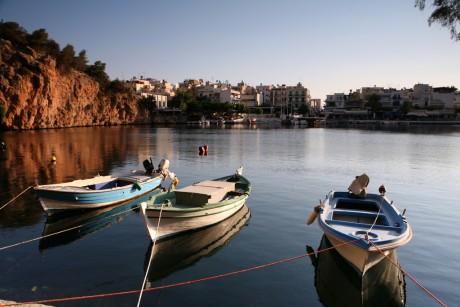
446,13
97,71
65,60
14,33
53,48
38,40
81,61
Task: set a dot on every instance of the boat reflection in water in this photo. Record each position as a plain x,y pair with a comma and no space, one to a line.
77,224
185,249
338,284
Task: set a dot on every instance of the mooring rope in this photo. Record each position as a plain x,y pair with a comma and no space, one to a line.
221,276
375,221
16,197
151,253
64,230
413,279
184,282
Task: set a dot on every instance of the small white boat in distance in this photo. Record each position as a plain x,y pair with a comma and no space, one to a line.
359,218
199,205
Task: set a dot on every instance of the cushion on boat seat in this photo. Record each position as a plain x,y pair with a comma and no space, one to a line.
206,192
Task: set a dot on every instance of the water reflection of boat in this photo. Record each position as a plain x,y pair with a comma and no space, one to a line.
184,250
338,284
76,225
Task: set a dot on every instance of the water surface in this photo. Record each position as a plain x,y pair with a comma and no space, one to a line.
290,169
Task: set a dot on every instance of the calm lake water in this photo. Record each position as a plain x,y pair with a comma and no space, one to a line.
290,169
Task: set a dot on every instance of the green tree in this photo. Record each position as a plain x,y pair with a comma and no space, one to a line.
373,102
117,86
81,62
53,48
149,103
446,13
181,99
97,71
38,40
14,33
304,109
65,60
406,107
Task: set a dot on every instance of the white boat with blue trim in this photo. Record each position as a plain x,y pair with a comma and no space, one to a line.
101,191
363,227
199,205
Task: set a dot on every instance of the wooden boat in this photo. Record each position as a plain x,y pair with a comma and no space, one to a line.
182,251
199,205
361,218
101,191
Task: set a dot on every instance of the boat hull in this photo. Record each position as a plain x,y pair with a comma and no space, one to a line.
172,223
64,197
194,207
359,258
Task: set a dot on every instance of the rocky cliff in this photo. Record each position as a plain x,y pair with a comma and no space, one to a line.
35,94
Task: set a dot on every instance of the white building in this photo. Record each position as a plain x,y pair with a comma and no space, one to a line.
161,100
265,94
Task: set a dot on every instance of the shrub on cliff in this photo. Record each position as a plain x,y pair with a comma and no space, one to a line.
66,59
97,71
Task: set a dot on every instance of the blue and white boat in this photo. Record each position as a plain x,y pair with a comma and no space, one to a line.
101,191
363,227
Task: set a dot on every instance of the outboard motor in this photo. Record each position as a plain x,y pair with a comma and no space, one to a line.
163,167
148,165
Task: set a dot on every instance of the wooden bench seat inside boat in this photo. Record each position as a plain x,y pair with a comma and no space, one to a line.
204,192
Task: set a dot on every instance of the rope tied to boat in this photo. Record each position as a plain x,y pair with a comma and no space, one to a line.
65,230
183,283
16,197
375,221
407,274
151,256
112,294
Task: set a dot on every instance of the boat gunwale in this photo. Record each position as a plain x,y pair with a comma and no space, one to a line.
391,241
156,202
67,189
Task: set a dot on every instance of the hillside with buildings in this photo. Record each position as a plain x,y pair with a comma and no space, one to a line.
422,102
43,86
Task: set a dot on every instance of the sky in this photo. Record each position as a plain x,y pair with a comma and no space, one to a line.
329,46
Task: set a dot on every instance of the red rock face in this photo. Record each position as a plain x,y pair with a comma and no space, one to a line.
36,95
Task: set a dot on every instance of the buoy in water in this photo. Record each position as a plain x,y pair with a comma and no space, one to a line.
53,158
203,150
314,214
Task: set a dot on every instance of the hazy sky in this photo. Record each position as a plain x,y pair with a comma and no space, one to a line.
328,46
